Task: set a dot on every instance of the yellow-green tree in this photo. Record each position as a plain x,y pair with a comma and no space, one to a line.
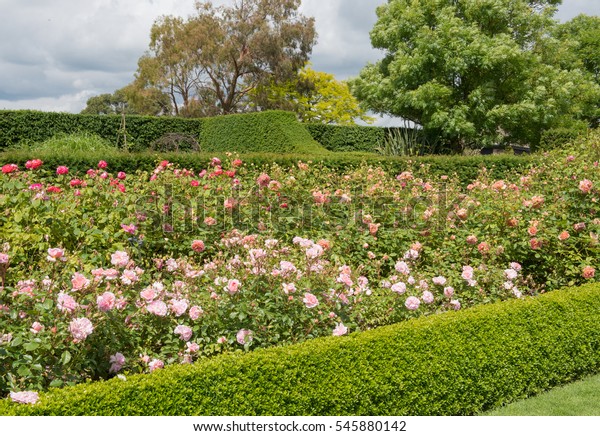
316,96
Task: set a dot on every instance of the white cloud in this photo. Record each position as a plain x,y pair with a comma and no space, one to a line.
56,54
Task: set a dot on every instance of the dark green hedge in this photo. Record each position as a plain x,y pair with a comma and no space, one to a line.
347,138
269,132
458,363
34,126
466,168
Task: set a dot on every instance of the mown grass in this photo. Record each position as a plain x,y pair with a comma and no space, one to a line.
581,398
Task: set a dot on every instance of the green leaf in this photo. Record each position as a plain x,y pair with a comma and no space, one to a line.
65,357
31,346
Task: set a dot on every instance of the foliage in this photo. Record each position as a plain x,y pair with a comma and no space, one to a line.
210,63
129,100
472,72
286,253
458,363
77,142
464,168
29,127
316,97
271,131
346,138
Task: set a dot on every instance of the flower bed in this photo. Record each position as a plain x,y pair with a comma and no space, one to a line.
107,273
457,363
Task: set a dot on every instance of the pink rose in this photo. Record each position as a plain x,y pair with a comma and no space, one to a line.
9,168
106,301
80,328
195,312
427,297
79,282
102,164
222,340
119,259
263,180
471,239
158,308
340,329
310,300
198,246
155,364
244,337
564,235
33,164
184,332
55,254
448,291
233,286
66,303
412,303
192,347
121,175
588,272
440,280
402,268
36,327
25,397
178,307
585,186
399,288
117,361
62,170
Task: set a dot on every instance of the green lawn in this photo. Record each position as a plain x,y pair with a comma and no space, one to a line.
581,398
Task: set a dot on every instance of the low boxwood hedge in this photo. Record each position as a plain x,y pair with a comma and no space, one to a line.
465,167
458,363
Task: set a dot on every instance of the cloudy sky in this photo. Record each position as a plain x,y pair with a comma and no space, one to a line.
55,54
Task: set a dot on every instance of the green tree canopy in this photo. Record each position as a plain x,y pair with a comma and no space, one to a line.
210,63
316,96
472,72
129,100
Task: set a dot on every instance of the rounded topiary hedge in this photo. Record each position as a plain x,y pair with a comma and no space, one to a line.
458,363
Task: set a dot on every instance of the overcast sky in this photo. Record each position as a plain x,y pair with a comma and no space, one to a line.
55,54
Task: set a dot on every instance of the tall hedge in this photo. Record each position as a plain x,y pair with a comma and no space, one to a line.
34,126
458,363
347,138
271,132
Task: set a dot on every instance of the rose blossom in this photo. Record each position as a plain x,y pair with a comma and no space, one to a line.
402,268
79,282
448,291
412,303
427,297
244,336
310,300
263,180
588,272
158,308
585,186
9,168
178,307
198,246
66,303
471,239
221,340
119,259
33,164
340,329
24,397
102,164
233,286
455,304
510,274
55,254
62,170
440,280
155,364
36,327
4,258
81,328
106,301
399,288
195,312
118,361
184,332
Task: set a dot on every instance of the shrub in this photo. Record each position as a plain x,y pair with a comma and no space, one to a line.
458,363
347,138
271,132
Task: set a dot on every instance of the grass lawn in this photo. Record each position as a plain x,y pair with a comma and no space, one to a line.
581,398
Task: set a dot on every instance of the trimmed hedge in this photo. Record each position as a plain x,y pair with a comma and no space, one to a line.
35,126
347,138
458,363
267,132
465,167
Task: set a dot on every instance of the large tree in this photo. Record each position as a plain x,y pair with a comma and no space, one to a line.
315,96
210,63
129,100
472,71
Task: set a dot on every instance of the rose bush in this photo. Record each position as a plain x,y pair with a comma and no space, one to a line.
107,272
